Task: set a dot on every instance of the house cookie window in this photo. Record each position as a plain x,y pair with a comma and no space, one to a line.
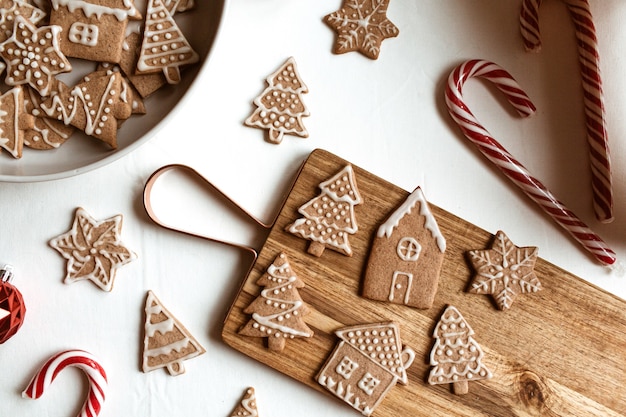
368,383
409,249
83,34
346,367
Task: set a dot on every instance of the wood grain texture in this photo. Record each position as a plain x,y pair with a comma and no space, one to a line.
558,352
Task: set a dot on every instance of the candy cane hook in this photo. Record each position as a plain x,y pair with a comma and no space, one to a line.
81,360
504,161
589,58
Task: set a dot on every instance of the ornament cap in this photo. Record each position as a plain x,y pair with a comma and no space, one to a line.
6,273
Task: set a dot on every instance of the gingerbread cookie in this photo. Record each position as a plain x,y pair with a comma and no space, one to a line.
93,29
46,133
406,256
247,407
278,312
504,271
167,343
367,362
279,107
14,121
456,357
329,218
33,56
95,105
164,48
361,25
10,9
93,249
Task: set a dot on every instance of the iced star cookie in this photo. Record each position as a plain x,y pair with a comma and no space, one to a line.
504,271
167,343
10,9
361,25
33,56
14,121
93,249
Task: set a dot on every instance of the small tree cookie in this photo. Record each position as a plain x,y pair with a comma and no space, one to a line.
167,343
164,46
329,218
14,121
456,357
247,407
279,107
278,312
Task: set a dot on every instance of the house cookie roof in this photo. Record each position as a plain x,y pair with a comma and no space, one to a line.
417,196
380,342
121,9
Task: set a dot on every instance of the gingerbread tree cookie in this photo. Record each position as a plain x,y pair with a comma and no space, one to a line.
504,271
361,25
164,46
456,357
46,133
93,249
95,105
167,343
14,121
279,107
329,218
278,313
247,407
33,56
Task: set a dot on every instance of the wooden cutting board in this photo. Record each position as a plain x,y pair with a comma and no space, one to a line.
558,352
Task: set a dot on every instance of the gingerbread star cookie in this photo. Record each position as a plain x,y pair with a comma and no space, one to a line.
361,25
93,249
504,271
33,56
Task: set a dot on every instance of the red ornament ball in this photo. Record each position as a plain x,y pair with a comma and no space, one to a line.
12,311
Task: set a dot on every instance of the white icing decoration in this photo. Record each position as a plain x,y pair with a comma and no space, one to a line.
417,196
90,9
83,34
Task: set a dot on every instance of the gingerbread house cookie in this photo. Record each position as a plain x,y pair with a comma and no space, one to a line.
366,363
406,256
93,29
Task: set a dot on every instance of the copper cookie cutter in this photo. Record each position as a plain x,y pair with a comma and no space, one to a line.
225,200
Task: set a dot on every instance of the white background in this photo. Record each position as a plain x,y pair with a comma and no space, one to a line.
386,116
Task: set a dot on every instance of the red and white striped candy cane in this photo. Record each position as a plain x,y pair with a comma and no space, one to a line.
589,58
498,155
87,363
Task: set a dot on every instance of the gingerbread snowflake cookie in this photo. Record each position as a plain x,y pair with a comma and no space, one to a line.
361,25
280,108
504,271
456,358
93,249
406,256
329,218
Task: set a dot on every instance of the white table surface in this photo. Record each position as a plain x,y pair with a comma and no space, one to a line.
387,116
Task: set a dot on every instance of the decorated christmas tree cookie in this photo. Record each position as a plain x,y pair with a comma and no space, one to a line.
167,343
329,218
278,313
247,407
164,46
280,107
504,271
456,357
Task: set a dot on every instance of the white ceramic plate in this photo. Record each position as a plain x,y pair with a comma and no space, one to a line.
82,153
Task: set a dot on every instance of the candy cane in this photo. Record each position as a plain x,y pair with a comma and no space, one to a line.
83,361
498,155
593,97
